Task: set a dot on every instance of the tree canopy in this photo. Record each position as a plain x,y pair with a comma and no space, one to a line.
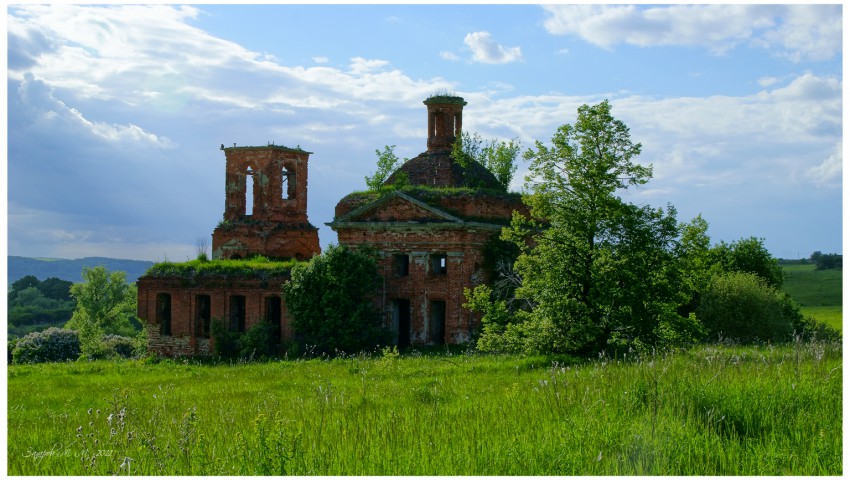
498,157
329,299
105,305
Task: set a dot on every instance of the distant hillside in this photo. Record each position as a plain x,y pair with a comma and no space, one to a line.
44,268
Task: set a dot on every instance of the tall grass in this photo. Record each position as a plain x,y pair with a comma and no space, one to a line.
713,410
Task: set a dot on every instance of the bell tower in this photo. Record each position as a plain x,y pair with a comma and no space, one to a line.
445,119
265,207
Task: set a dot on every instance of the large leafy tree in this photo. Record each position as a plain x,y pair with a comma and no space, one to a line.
329,299
105,305
596,269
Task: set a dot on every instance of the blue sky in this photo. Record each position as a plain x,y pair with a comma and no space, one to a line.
116,112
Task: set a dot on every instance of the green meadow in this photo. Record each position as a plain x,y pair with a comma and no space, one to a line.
817,291
713,410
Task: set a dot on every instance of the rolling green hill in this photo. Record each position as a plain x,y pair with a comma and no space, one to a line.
44,268
817,291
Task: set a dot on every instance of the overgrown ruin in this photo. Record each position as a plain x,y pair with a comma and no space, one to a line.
431,236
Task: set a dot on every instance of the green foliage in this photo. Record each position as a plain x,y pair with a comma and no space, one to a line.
748,255
51,345
257,267
826,261
56,289
120,346
388,161
498,157
599,271
24,283
225,342
260,341
38,305
743,307
105,305
329,300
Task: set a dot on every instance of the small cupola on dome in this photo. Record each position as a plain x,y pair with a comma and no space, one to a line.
445,120
436,167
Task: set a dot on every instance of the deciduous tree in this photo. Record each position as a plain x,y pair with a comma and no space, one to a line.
329,299
105,305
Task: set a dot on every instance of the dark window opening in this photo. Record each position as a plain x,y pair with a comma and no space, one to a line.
237,313
438,263
401,265
273,315
438,322
401,321
202,316
163,313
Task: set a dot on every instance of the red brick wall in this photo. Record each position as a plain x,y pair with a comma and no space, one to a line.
184,339
464,254
277,226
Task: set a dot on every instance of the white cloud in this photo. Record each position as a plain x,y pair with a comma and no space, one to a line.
321,59
828,172
767,81
50,114
361,65
797,32
486,50
446,55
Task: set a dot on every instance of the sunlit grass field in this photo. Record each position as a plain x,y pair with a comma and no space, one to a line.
714,410
817,291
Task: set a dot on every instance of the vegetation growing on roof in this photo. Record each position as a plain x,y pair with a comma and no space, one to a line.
255,267
444,96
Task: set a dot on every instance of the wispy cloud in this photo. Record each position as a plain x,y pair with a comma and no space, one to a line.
446,55
486,50
797,32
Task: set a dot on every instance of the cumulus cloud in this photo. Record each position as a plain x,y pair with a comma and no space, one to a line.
797,32
91,128
486,50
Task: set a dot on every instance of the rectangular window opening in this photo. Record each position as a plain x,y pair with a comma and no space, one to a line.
237,313
438,263
163,313
202,316
401,265
438,322
273,315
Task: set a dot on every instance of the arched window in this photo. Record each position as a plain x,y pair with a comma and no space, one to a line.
287,184
249,192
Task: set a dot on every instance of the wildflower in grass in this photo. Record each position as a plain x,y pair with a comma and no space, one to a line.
109,419
126,463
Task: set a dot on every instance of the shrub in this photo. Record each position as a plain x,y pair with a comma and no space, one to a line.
51,345
225,342
118,346
742,306
811,330
259,341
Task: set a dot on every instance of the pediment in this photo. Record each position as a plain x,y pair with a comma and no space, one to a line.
397,207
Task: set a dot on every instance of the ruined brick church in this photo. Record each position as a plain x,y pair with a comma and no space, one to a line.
431,237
